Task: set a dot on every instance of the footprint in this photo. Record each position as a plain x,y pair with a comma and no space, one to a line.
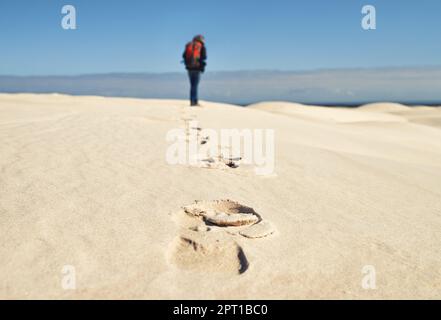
231,217
232,164
210,231
223,212
214,163
203,160
204,140
208,252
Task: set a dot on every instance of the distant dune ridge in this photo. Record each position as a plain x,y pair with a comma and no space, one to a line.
84,183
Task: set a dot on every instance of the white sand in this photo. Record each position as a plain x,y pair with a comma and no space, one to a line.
84,182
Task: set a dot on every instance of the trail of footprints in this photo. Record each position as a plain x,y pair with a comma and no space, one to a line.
203,159
209,235
210,230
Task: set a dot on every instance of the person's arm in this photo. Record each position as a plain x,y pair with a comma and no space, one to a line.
203,54
203,58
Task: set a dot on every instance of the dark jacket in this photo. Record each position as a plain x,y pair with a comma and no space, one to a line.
202,61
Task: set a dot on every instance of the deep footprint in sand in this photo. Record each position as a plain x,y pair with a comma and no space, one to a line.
208,252
232,217
209,235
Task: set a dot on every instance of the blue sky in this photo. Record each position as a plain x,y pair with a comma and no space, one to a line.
148,36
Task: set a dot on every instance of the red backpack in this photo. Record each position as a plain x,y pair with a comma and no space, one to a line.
193,54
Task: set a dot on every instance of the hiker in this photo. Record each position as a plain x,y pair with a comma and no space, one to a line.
195,56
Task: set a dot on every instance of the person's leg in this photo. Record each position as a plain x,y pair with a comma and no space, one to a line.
197,76
190,77
194,82
192,87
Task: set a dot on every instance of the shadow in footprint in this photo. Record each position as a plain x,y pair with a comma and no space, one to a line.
204,140
232,165
243,261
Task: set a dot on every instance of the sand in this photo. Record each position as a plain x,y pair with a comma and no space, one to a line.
84,184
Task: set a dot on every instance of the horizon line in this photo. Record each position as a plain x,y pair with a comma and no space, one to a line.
298,71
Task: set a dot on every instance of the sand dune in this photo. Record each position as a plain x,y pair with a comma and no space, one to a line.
384,107
336,115
84,183
425,115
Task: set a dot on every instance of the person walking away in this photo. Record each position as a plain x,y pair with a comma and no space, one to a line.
195,56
